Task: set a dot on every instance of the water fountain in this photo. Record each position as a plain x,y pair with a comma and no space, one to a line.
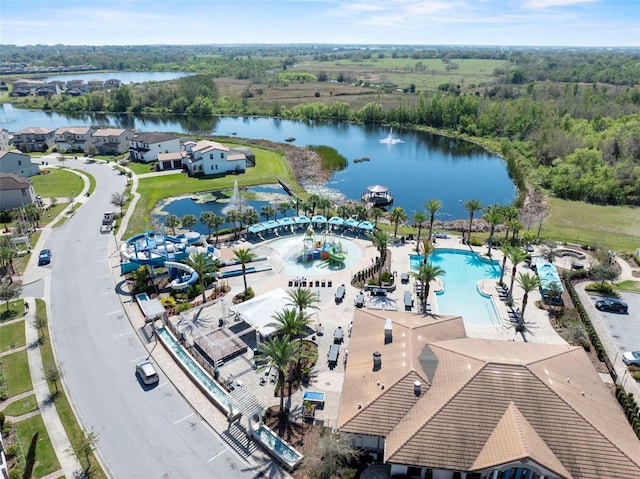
390,140
236,202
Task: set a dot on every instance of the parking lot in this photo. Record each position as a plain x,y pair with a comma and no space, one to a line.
624,328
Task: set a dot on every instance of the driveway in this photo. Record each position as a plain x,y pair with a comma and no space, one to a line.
624,329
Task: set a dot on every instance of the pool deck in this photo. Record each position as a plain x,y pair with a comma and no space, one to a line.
331,315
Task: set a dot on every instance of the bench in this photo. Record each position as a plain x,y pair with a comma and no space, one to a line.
408,301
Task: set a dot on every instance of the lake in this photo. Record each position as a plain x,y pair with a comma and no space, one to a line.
124,77
417,167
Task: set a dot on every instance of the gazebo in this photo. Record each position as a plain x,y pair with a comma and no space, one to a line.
377,195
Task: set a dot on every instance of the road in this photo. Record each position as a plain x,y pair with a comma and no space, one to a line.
143,432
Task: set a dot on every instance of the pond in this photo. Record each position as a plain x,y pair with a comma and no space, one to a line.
419,166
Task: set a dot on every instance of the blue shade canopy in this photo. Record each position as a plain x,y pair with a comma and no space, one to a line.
286,221
336,220
351,222
366,225
301,220
319,219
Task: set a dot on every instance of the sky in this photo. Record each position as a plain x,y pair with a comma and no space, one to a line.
588,23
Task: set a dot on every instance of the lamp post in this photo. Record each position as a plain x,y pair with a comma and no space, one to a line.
71,198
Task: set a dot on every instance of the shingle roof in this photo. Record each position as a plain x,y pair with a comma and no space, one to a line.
153,137
10,181
489,402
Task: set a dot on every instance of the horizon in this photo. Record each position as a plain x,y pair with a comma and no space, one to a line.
469,23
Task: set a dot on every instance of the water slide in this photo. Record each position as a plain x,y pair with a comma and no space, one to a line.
183,281
335,255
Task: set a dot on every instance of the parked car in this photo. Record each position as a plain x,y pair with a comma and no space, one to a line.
147,373
631,358
44,257
612,304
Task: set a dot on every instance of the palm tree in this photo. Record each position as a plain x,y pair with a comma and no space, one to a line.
493,217
397,215
472,206
419,217
280,352
426,273
324,204
202,264
427,248
344,211
290,322
267,211
302,298
244,256
376,214
207,218
248,217
233,217
187,221
516,256
528,282
284,207
360,212
172,221
433,206
380,241
515,226
217,222
505,254
508,213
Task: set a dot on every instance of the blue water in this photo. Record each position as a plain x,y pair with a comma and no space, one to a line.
214,389
124,77
424,166
314,395
461,296
276,444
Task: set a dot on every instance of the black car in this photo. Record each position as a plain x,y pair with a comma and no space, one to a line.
612,304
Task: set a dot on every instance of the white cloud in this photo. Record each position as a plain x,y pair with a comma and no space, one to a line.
540,4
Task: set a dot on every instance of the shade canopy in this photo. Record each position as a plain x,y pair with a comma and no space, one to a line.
336,220
377,189
319,219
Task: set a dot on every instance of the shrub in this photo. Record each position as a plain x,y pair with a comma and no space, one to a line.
636,376
605,289
168,302
183,307
476,241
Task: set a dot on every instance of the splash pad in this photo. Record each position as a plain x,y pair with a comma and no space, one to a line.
326,249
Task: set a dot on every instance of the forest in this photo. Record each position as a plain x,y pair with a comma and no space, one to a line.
567,121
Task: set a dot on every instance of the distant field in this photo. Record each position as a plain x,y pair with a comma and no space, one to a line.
612,227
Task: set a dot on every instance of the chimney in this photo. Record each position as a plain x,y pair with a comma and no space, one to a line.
388,331
417,388
377,361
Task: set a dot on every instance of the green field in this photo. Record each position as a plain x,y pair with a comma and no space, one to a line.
22,406
16,370
46,460
611,227
12,336
15,310
57,184
269,166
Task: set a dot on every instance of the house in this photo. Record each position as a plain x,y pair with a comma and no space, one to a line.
208,157
145,147
171,161
34,139
112,83
112,141
73,138
429,401
95,84
17,163
15,191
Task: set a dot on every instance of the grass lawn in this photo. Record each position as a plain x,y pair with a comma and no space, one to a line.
269,166
46,460
16,370
628,286
16,310
22,406
610,227
12,336
61,402
57,184
140,168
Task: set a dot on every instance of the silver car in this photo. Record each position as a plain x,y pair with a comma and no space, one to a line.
631,358
147,373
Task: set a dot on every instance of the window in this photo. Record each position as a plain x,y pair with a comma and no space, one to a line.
222,156
414,471
216,167
19,162
211,156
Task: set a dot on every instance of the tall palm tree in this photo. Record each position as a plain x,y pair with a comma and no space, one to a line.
426,273
376,213
172,221
515,225
433,206
233,217
244,256
290,322
202,264
248,217
528,282
426,248
492,216
380,241
419,217
188,221
397,216
280,353
324,204
284,207
302,298
267,211
207,218
472,207
516,256
217,222
505,254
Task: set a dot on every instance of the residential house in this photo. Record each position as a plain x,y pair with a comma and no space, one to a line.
15,191
208,157
112,141
430,402
5,140
95,84
171,161
78,85
34,139
74,138
18,163
145,147
112,83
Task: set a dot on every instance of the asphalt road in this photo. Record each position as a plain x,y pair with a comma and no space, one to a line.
143,432
624,328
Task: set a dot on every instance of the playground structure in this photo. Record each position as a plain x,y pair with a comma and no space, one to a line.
153,250
325,249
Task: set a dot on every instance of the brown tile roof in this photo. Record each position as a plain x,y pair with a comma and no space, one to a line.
205,146
488,401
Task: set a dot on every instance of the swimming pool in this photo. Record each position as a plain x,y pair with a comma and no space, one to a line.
461,295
